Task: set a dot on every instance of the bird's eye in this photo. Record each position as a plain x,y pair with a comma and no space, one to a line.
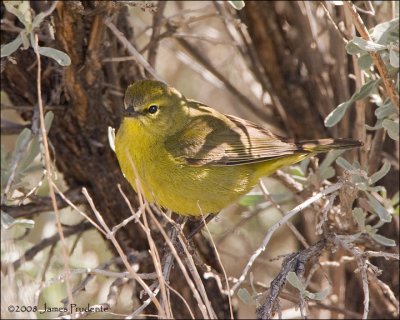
152,109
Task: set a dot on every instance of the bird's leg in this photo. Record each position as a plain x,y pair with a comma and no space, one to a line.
200,225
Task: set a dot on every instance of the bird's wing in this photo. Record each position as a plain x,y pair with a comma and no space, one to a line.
211,138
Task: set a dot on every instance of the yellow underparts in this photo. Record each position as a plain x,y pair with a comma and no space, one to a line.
185,189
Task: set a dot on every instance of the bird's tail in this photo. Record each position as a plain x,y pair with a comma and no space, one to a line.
324,145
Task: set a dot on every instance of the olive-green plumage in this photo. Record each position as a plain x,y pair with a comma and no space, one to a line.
194,160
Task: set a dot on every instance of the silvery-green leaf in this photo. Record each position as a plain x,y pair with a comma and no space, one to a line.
344,164
352,49
21,9
383,240
296,171
11,47
376,189
294,280
328,173
377,126
381,172
330,157
394,57
238,5
392,128
384,111
368,45
62,58
111,138
25,40
395,200
385,32
321,295
365,61
245,296
38,20
359,216
383,214
365,90
48,120
337,114
8,222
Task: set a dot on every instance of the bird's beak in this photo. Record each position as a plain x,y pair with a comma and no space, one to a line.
131,113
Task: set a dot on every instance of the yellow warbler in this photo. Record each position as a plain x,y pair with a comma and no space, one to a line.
194,160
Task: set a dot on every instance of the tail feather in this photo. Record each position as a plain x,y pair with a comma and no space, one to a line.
324,145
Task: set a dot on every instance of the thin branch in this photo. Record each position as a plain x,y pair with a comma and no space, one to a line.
43,244
293,263
131,49
48,163
276,226
121,252
154,43
43,204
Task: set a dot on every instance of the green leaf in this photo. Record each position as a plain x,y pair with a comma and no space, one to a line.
377,126
295,281
25,39
321,295
359,216
11,47
296,171
384,111
383,214
48,120
394,57
344,164
328,173
386,32
21,9
330,157
337,114
8,222
365,90
38,20
365,61
383,240
60,57
380,173
352,49
392,128
251,199
396,198
238,5
367,45
245,296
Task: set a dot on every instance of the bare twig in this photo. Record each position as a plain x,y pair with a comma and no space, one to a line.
121,253
48,164
269,198
362,267
294,263
131,49
43,204
274,227
154,43
32,252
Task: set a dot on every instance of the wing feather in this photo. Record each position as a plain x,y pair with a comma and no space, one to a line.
211,138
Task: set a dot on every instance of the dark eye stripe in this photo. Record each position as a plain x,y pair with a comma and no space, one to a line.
153,109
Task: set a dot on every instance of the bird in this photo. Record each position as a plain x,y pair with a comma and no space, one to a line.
194,160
